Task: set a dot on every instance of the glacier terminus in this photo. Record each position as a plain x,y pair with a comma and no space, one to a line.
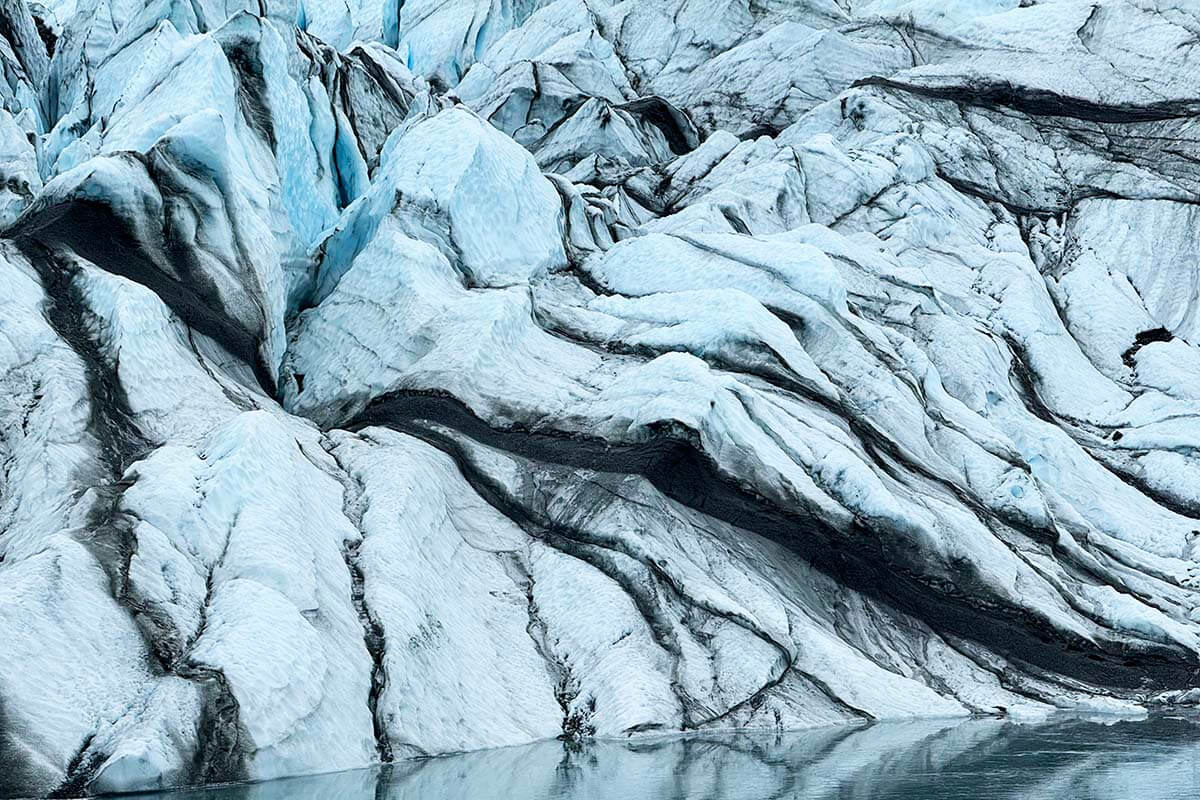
383,379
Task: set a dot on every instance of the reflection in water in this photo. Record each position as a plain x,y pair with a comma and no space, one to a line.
1078,759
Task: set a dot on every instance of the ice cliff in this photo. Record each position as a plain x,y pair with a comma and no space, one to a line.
390,378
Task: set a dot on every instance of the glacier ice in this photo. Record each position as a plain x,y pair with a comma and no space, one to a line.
382,380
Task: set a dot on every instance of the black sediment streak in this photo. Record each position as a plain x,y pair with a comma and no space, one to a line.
242,53
1043,103
576,723
373,631
79,772
1142,339
879,564
110,419
1024,380
224,740
109,534
373,638
156,254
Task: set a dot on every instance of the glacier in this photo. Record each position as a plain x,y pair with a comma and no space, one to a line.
396,378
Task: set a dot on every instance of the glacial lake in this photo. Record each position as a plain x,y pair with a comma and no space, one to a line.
1066,759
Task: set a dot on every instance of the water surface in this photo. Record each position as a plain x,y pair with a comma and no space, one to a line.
1067,759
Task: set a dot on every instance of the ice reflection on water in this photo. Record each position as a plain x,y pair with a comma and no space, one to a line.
1078,759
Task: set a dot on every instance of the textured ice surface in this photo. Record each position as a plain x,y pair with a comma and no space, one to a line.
1089,758
395,379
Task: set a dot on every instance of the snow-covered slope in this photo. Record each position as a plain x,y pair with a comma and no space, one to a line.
398,379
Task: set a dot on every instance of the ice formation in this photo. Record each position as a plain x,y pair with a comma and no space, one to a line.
384,379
